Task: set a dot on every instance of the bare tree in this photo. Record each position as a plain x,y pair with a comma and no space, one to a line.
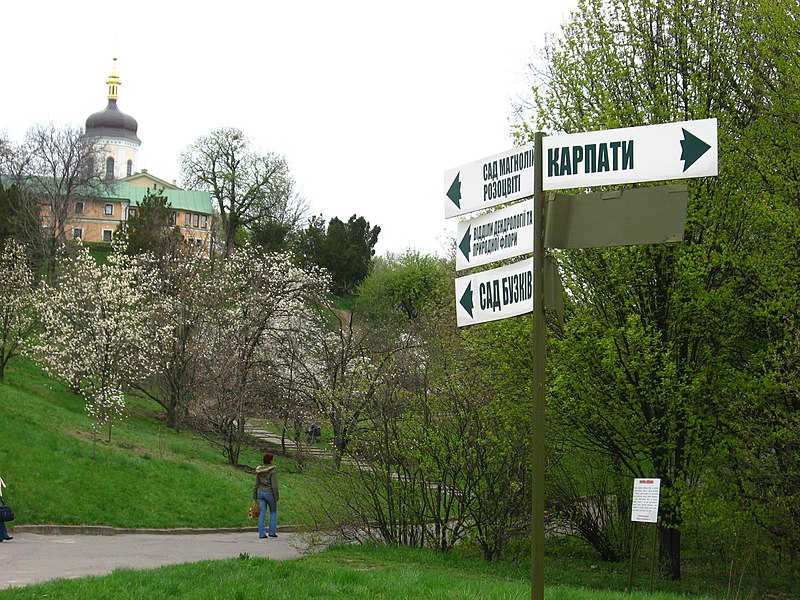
248,187
56,166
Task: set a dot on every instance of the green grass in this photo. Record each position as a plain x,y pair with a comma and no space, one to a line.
148,476
346,302
354,573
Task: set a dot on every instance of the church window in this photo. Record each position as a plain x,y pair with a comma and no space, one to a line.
110,168
196,220
108,210
77,233
106,235
130,168
79,208
188,219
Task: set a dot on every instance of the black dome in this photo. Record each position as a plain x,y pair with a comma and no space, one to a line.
112,122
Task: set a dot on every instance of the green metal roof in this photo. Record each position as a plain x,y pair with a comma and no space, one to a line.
189,200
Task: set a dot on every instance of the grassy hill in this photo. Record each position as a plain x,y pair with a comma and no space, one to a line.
148,476
152,477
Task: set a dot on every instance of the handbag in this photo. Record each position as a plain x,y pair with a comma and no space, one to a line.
252,513
6,514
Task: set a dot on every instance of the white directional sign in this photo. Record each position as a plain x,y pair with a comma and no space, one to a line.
497,235
495,294
634,154
488,182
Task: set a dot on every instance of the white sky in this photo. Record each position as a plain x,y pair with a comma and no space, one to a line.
370,101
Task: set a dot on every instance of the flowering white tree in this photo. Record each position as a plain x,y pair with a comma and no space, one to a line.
186,293
95,333
17,314
296,370
257,299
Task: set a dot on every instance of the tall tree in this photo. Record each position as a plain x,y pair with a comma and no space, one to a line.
249,187
56,166
350,248
344,249
186,292
654,358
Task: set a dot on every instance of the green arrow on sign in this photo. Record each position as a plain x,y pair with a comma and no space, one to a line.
454,193
465,244
692,148
466,300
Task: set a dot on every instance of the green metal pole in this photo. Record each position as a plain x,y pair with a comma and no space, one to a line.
537,431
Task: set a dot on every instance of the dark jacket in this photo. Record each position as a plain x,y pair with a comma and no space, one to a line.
266,481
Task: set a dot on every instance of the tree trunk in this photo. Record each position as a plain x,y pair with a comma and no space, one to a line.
670,552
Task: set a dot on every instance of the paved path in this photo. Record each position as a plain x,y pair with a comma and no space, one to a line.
42,553
319,449
35,557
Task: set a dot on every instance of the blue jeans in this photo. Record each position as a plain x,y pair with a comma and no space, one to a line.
265,499
3,532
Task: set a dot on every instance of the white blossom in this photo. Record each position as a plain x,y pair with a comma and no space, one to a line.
96,332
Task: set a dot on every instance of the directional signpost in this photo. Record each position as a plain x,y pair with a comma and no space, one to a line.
601,158
496,235
485,183
631,155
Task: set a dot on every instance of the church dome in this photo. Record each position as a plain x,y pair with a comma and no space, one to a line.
111,121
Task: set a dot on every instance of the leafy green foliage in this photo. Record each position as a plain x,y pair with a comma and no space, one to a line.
270,236
151,227
671,355
405,284
344,249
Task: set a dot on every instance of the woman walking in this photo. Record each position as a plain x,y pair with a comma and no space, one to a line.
265,492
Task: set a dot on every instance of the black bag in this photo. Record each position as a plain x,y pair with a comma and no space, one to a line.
6,514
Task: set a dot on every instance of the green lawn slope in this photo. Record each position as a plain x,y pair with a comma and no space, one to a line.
148,476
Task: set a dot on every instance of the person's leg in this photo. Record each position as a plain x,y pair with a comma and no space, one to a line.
273,514
262,513
4,533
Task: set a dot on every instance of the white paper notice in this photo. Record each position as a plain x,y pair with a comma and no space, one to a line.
644,508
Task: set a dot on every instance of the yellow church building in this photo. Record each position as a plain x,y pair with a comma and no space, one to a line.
117,147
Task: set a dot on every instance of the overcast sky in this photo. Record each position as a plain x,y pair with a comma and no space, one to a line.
370,101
